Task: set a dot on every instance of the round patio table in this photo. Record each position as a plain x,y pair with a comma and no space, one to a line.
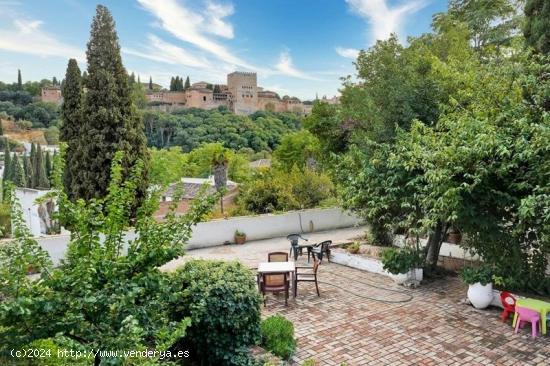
542,307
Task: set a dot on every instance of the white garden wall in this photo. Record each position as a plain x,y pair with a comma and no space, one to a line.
216,232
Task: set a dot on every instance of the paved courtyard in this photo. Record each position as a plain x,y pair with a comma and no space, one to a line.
365,319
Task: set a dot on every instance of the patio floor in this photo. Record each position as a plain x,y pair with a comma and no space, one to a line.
365,319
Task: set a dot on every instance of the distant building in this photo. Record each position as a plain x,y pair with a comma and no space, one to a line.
190,190
51,94
241,95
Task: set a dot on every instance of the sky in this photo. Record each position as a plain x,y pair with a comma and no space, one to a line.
297,47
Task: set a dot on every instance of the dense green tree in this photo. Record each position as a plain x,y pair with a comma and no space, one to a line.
537,25
39,178
172,84
7,163
101,296
299,149
492,24
48,165
190,128
187,83
27,169
150,83
54,81
110,121
17,173
217,88
19,80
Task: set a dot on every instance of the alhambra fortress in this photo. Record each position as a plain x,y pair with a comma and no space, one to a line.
241,95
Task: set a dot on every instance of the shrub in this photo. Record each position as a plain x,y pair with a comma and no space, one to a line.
52,135
472,275
398,261
5,220
224,306
278,336
353,248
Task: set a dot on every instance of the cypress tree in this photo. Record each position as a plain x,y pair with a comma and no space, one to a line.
27,170
34,178
110,120
19,80
187,83
150,83
6,174
17,171
39,173
71,113
54,80
1,129
172,84
180,84
132,79
48,165
537,25
7,163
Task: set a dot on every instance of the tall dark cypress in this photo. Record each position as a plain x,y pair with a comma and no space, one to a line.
34,178
39,173
172,84
48,165
110,120
7,170
18,175
537,25
70,131
19,80
187,83
150,83
27,170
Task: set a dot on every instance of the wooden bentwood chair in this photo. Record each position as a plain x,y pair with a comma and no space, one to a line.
275,283
308,275
277,257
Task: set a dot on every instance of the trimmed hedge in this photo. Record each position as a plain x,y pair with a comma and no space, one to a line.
223,303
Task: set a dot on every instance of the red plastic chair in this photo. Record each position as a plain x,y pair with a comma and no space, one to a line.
509,304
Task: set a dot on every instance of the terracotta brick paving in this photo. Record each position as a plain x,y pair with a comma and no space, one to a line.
433,328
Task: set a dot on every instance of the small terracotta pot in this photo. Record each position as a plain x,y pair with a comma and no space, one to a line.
240,239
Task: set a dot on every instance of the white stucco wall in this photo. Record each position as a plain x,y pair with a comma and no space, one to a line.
259,227
27,198
216,232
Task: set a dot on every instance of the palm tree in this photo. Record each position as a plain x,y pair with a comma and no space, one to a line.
219,167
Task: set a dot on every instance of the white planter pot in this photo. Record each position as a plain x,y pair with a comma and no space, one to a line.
416,274
480,296
400,278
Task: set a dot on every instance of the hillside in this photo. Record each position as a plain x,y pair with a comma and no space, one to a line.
13,132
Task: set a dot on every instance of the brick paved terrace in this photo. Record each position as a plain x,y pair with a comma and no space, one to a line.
363,318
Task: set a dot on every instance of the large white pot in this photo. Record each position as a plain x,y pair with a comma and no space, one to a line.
400,278
416,274
480,296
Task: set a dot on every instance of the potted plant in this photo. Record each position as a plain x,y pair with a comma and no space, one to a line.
404,264
480,287
240,237
454,236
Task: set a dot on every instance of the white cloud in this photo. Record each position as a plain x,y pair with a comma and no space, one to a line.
195,27
215,23
162,51
347,52
285,67
27,36
383,19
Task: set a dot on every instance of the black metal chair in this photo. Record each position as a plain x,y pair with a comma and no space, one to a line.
320,249
295,248
309,274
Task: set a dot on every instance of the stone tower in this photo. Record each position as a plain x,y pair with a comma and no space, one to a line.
243,87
